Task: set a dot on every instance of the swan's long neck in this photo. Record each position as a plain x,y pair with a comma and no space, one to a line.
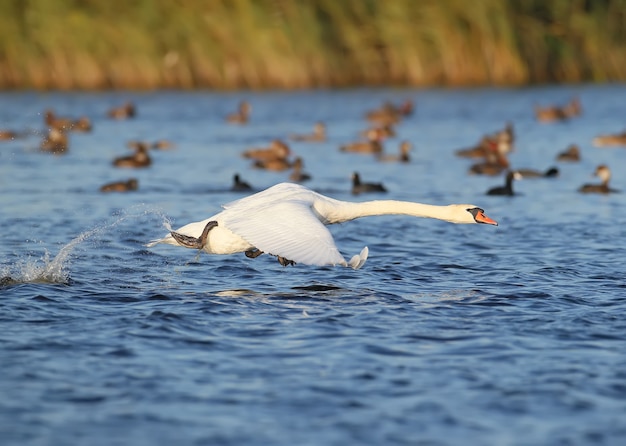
345,211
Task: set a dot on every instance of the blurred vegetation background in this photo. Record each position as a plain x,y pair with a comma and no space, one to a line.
229,44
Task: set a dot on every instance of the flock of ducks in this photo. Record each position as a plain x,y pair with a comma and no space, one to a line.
493,150
489,155
277,156
55,140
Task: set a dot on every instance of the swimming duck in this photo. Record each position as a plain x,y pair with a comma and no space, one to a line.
239,185
137,160
359,187
161,144
558,113
495,163
572,153
124,111
6,135
82,124
318,135
52,120
242,115
277,150
618,139
121,186
604,173
501,141
389,114
274,164
507,189
288,221
531,173
298,176
372,145
402,157
478,151
56,141
384,131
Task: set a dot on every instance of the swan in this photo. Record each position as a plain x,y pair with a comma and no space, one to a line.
288,221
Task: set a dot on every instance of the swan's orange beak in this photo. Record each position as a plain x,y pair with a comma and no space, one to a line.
480,217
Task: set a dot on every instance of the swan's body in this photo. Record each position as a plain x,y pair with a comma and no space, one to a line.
288,221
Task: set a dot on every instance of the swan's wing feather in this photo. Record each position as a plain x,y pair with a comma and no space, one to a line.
274,194
288,229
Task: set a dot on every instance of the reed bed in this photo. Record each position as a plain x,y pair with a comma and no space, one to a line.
231,44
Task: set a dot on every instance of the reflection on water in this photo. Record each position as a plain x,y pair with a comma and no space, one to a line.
450,334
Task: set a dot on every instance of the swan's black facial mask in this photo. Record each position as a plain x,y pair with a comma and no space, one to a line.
480,217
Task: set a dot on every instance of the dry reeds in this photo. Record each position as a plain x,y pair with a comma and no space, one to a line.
229,44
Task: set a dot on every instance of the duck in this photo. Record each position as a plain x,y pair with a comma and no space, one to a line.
501,141
359,187
571,154
288,221
531,173
558,113
277,150
275,164
384,131
507,189
507,134
52,120
318,135
495,163
82,124
239,185
297,175
124,111
242,115
604,173
161,144
56,141
402,157
389,113
139,159
618,139
7,135
121,186
372,145
480,150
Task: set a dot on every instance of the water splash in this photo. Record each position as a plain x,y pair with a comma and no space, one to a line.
56,270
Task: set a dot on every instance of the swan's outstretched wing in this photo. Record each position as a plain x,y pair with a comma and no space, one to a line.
288,229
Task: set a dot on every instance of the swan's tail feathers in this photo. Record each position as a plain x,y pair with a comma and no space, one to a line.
358,260
166,239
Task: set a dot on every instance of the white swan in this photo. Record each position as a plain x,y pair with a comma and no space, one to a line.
287,221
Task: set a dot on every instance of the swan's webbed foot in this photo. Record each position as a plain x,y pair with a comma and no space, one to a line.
283,261
194,242
253,253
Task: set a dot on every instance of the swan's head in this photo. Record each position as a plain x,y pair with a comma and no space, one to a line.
468,213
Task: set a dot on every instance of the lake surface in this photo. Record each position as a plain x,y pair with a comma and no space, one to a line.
449,335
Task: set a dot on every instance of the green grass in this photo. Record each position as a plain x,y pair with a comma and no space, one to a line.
228,44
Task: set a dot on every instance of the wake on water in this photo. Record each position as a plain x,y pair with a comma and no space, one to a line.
56,270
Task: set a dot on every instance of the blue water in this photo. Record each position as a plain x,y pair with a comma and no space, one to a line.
449,335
